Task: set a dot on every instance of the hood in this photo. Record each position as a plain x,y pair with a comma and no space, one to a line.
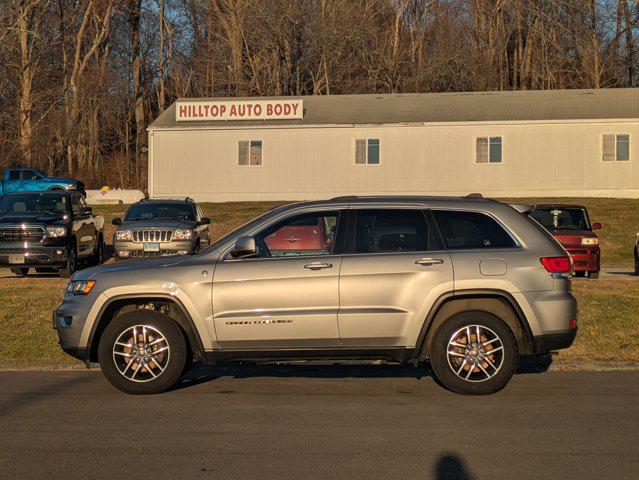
33,218
157,224
572,237
127,265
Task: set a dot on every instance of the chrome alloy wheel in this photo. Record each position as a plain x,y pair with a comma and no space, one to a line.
475,353
141,353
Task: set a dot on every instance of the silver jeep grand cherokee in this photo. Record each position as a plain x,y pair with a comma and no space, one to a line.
158,228
468,284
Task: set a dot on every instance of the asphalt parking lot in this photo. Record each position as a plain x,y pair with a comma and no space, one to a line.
339,422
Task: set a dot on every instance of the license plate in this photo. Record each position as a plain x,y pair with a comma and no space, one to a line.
151,247
16,259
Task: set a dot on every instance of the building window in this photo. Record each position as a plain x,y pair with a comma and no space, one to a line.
488,150
250,152
367,151
616,147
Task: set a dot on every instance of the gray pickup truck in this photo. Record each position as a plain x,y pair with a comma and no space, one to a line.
158,228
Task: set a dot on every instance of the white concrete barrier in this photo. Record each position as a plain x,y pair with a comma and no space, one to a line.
113,196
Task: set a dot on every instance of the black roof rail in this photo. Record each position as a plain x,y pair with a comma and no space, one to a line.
474,195
345,198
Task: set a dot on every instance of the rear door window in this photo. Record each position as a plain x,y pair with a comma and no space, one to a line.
391,230
471,230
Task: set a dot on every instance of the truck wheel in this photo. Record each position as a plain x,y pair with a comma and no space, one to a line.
20,271
474,353
98,255
142,352
593,275
70,265
636,268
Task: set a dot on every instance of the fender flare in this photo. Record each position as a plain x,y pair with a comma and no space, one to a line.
192,333
473,293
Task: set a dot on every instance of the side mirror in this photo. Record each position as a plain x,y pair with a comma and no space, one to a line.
116,221
597,225
244,247
205,221
86,211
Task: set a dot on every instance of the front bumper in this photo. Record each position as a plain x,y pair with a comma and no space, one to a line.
584,258
554,341
32,255
138,250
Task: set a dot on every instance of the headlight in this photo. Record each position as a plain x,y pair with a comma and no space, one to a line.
80,287
589,241
70,186
182,234
123,235
56,231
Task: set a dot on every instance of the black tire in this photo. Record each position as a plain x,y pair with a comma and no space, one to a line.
98,255
175,362
580,274
20,271
593,275
507,363
636,268
71,264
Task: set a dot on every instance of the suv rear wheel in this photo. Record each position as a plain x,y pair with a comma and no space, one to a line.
474,353
142,352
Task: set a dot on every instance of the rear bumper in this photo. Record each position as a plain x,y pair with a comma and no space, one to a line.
554,341
585,259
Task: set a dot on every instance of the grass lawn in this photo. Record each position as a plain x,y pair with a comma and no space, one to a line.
609,309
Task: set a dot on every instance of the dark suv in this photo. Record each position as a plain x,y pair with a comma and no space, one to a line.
156,228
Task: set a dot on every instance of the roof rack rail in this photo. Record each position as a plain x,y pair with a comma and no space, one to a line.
345,198
474,195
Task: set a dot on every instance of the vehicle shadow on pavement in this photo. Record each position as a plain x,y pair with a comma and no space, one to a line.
203,374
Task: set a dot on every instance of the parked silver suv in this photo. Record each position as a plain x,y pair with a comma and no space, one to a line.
469,284
158,228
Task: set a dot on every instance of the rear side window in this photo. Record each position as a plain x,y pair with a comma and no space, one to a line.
471,230
14,174
383,231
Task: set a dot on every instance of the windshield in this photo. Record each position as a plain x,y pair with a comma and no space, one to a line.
556,218
29,203
160,211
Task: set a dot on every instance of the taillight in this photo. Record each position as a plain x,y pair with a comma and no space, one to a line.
556,264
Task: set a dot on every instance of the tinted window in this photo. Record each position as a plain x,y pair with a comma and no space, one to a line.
556,218
160,211
379,231
14,174
463,230
306,234
29,203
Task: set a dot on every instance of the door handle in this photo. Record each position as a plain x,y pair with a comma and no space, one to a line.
318,265
426,262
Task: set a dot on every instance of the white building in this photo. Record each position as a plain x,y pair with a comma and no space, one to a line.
502,144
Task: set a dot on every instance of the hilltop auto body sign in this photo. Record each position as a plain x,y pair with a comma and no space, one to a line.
202,110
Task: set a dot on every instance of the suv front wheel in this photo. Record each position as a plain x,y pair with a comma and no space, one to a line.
474,353
142,352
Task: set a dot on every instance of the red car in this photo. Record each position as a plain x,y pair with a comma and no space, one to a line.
571,226
308,235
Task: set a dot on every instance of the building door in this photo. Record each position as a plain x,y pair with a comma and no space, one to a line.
286,296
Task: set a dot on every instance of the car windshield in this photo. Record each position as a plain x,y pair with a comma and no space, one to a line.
160,211
558,218
29,203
